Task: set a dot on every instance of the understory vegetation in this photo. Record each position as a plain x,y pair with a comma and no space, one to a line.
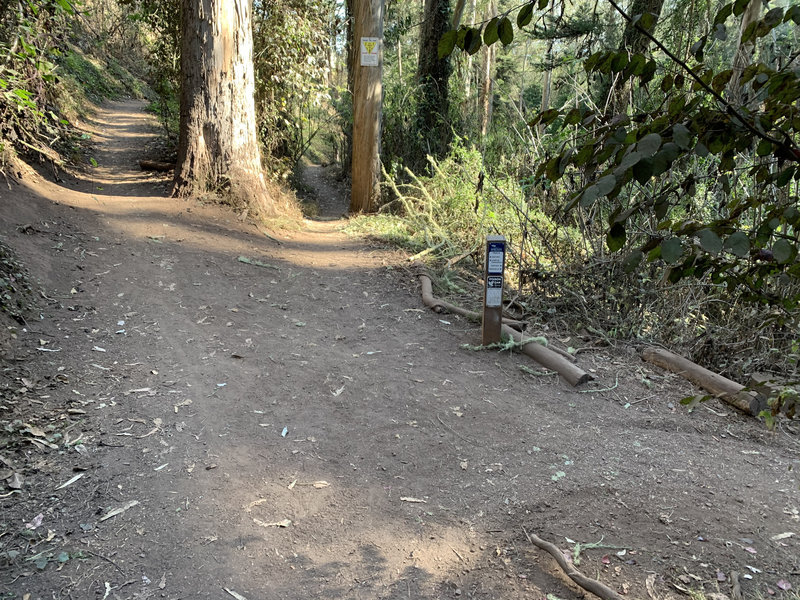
645,173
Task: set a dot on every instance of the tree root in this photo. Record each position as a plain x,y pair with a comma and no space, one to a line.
590,585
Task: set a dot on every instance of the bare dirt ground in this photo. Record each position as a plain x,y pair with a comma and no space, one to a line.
202,412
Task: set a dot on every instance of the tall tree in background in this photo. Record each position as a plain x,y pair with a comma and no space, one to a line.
433,74
218,147
634,41
744,51
487,83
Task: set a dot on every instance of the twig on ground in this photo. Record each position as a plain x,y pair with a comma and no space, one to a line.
105,558
590,585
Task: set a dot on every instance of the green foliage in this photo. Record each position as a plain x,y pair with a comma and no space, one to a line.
98,80
28,76
451,212
291,40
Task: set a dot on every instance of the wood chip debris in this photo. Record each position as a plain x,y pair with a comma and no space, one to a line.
253,504
315,484
119,510
157,422
413,500
284,523
186,402
235,594
70,482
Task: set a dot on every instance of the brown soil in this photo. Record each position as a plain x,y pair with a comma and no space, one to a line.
313,390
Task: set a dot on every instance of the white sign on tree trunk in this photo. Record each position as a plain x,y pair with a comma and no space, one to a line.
370,47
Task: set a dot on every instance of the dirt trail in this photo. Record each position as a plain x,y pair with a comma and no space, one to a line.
301,427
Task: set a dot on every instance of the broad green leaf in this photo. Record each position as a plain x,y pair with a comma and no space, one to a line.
643,170
738,244
490,35
589,195
764,148
785,176
447,43
710,241
619,62
783,251
739,7
525,15
472,41
606,184
773,17
649,144
724,13
632,261
616,237
505,31
66,7
681,136
630,160
671,250
646,21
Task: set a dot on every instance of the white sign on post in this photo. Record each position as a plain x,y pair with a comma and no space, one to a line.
370,47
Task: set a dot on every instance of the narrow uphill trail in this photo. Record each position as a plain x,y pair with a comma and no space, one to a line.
285,420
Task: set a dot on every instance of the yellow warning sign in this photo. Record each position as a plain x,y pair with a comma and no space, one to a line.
370,51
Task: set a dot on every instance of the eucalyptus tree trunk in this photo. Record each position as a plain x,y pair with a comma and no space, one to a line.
367,105
744,52
218,149
433,74
634,41
489,53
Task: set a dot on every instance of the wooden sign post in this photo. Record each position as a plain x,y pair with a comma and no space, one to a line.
493,289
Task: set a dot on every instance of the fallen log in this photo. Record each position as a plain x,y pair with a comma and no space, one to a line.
592,586
547,357
721,387
437,305
155,165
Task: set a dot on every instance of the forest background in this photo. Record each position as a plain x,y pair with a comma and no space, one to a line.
642,160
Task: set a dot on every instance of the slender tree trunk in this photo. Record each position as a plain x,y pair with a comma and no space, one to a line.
744,52
433,74
218,147
547,83
634,42
487,84
400,59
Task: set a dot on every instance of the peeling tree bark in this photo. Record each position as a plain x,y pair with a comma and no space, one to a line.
218,149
